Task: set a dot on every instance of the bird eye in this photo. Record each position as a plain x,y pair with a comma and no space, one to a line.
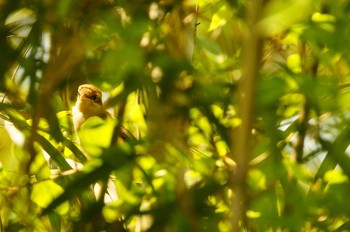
94,97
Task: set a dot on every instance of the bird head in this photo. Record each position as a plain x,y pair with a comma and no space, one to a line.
88,104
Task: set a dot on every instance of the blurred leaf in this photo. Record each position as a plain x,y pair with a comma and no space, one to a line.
117,70
220,18
7,159
257,179
55,221
96,134
294,63
55,154
78,186
209,46
279,16
335,177
75,150
299,171
185,110
44,192
113,158
20,23
64,7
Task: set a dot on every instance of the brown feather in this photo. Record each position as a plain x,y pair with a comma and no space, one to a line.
89,104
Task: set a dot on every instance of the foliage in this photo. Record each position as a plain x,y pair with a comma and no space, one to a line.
240,110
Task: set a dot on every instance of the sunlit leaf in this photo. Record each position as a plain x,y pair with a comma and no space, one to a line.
44,192
257,179
78,186
95,135
55,154
293,62
220,18
253,214
222,148
335,177
326,21
192,177
7,159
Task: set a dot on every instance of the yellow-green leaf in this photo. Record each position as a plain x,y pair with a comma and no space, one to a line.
220,18
45,192
335,177
96,134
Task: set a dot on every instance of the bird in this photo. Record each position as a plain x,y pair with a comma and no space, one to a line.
89,104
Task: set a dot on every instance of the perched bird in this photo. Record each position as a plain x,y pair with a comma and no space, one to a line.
89,104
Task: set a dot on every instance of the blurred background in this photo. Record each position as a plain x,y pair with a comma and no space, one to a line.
240,110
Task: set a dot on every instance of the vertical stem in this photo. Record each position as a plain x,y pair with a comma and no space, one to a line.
303,125
310,69
246,95
117,128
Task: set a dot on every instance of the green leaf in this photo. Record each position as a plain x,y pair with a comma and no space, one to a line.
55,220
7,158
44,192
281,15
112,158
75,150
79,185
294,63
55,154
299,171
257,179
335,177
220,18
96,134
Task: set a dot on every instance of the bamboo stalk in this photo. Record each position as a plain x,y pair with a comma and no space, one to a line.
242,136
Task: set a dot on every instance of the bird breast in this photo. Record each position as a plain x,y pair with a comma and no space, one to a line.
84,110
